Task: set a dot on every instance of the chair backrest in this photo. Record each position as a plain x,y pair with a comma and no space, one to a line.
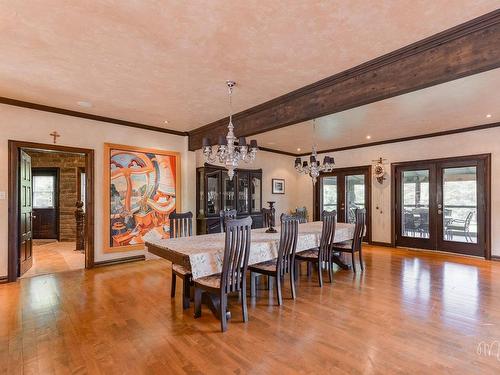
181,224
267,217
226,215
359,228
301,213
468,219
236,253
288,243
329,219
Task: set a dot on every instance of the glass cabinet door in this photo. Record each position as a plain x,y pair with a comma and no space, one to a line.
213,193
256,193
228,193
243,190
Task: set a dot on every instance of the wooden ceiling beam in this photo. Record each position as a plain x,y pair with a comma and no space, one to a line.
470,48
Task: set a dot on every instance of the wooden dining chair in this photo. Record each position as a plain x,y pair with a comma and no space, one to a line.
181,225
322,254
285,261
354,245
267,217
234,271
226,215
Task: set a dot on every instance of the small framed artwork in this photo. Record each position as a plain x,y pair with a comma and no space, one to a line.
278,186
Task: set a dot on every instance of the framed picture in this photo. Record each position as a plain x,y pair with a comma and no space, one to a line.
278,186
141,189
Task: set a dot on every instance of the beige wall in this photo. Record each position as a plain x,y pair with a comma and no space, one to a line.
35,126
470,143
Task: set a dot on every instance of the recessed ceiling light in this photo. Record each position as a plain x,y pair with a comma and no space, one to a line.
166,121
298,149
271,143
488,115
368,137
85,104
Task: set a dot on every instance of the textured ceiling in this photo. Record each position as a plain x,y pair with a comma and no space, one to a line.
148,61
457,104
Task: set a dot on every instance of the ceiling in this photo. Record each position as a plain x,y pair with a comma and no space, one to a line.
151,61
457,104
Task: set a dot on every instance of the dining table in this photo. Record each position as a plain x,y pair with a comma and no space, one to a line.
203,254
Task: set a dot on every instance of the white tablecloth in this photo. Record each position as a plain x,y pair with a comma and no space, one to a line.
203,254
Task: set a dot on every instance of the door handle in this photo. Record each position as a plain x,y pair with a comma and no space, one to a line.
440,212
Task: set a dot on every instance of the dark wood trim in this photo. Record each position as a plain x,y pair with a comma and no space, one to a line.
463,50
495,258
111,262
277,151
4,279
88,116
406,139
487,194
13,199
383,244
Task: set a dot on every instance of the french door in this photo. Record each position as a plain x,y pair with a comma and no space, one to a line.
443,204
344,190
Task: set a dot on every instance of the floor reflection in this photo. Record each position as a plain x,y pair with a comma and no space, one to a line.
416,285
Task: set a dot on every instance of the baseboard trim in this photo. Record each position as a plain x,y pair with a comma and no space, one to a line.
4,279
384,244
495,258
111,262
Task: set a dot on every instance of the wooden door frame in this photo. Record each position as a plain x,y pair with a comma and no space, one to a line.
367,171
57,171
13,200
487,193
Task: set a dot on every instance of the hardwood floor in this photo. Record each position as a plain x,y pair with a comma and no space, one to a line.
55,257
410,312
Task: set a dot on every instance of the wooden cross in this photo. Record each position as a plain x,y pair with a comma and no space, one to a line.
55,135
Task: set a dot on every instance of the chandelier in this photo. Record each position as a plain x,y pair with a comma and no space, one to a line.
314,168
230,151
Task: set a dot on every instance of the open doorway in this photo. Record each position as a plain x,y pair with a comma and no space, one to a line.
50,209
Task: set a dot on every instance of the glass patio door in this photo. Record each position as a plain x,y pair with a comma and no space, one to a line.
344,190
441,205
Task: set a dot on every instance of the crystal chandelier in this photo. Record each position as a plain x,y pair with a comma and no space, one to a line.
314,168
230,151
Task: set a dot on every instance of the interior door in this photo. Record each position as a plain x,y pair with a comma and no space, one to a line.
45,203
25,214
442,204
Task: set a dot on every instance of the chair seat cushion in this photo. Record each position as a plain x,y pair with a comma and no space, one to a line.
212,281
346,245
311,253
180,269
265,266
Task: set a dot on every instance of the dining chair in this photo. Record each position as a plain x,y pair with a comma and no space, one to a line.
234,271
181,225
284,263
267,217
322,254
224,216
461,226
301,213
354,245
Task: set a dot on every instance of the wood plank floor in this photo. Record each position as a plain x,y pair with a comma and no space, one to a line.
410,312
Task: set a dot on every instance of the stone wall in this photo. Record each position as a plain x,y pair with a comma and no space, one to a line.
68,165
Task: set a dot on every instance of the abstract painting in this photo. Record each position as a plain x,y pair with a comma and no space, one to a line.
142,188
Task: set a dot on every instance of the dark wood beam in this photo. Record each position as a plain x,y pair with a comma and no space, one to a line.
88,116
470,48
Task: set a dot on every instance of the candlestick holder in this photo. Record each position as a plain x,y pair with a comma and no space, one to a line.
271,222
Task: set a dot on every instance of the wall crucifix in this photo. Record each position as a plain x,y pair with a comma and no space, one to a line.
56,135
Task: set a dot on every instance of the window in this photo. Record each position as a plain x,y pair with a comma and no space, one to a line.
44,192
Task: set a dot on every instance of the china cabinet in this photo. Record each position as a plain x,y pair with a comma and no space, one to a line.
216,192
